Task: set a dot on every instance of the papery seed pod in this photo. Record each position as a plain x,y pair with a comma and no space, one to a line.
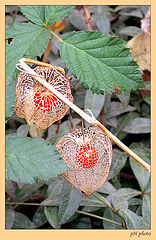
89,161
36,103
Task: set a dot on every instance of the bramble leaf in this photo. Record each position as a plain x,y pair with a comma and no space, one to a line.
9,101
28,160
28,39
34,12
100,62
55,13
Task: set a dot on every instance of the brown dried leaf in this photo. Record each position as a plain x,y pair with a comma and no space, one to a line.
87,179
140,49
146,22
37,104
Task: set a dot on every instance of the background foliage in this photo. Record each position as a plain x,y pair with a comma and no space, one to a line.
33,176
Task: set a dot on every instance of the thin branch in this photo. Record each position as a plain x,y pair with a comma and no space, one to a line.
109,206
80,212
87,18
47,50
102,218
91,119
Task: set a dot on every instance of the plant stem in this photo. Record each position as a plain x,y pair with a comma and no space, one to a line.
47,50
56,36
15,15
126,118
109,206
90,119
87,18
102,218
80,212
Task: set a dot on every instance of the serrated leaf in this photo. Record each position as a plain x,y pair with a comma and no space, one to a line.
133,221
124,193
28,39
10,100
55,13
39,218
111,216
117,108
70,201
30,159
138,125
146,208
94,102
22,222
52,216
100,61
141,174
34,12
9,217
118,162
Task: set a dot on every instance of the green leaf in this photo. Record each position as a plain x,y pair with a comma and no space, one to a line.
119,203
107,188
34,12
118,162
141,174
52,216
124,98
23,130
94,102
117,108
134,201
146,209
147,99
138,125
9,217
22,222
70,201
82,223
28,159
111,216
133,221
54,13
131,31
76,18
9,188
39,217
100,61
10,99
26,190
123,193
28,39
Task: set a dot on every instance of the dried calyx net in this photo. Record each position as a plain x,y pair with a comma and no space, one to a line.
88,156
36,103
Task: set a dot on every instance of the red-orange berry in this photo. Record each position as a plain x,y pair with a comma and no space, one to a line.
45,101
87,157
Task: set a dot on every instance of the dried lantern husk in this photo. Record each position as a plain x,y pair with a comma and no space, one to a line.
87,179
36,103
